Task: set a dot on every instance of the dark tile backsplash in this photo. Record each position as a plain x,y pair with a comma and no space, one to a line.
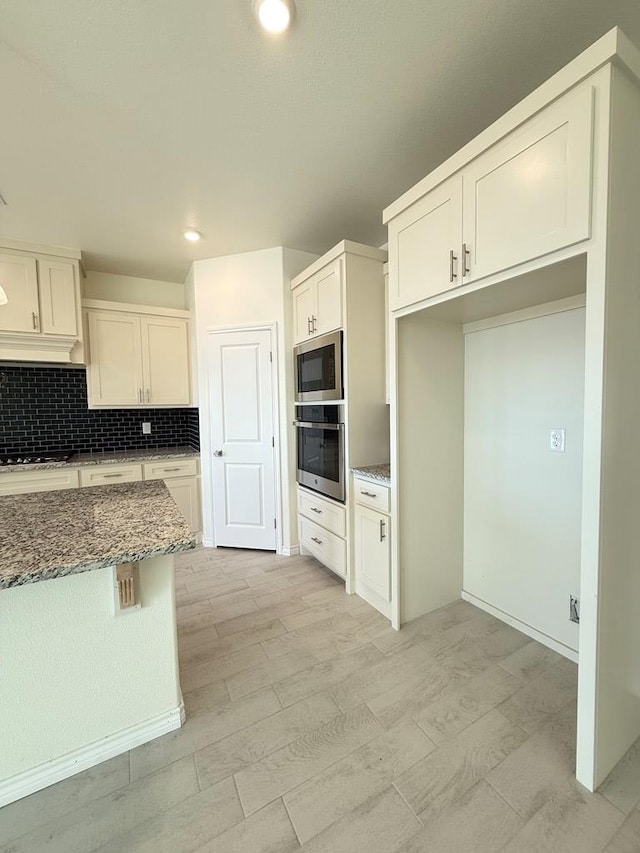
45,409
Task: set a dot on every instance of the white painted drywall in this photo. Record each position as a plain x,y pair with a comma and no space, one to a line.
522,502
138,291
73,673
250,289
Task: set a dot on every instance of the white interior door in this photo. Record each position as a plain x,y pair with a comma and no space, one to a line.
243,470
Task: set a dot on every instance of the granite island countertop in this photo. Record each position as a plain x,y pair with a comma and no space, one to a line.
381,472
81,460
52,534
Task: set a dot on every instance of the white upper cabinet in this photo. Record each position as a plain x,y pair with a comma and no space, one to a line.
58,306
41,319
524,197
114,370
137,359
529,195
165,361
424,245
19,280
317,303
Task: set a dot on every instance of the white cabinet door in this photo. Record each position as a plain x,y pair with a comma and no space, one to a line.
328,313
304,307
317,303
372,551
531,193
58,298
114,371
186,493
165,361
19,280
424,246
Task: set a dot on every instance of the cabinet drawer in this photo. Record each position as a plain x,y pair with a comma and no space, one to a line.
47,480
164,469
325,546
103,475
369,493
326,514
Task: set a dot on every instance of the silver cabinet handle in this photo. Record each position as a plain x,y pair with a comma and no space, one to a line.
112,475
383,535
139,395
317,541
217,453
452,258
166,470
368,494
34,317
309,329
314,320
465,253
148,395
315,509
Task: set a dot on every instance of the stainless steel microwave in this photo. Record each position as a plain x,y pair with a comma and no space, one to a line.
318,369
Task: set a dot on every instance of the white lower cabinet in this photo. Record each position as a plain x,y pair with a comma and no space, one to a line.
47,480
181,477
372,545
323,525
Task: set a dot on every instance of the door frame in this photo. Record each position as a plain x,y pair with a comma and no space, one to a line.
208,528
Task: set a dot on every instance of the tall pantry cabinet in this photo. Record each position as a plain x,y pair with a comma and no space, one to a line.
536,216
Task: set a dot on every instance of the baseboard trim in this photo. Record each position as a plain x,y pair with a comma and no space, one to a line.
30,781
208,543
290,551
545,640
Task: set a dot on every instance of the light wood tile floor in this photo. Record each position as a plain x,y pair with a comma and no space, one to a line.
312,725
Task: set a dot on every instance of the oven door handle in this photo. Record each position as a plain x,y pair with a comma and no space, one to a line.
312,425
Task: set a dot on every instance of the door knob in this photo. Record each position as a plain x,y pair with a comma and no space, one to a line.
217,453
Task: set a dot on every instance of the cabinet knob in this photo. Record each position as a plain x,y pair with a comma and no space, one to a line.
217,453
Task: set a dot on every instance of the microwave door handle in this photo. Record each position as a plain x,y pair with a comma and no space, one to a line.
310,425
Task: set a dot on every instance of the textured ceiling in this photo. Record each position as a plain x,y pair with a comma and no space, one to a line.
124,121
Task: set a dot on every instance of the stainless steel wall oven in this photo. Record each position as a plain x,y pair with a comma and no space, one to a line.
320,449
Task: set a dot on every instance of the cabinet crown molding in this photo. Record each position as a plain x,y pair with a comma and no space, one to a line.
40,249
341,248
134,308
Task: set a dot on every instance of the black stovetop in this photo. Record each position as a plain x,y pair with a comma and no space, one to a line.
34,458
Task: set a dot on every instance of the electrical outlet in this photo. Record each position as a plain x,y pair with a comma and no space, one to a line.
574,609
556,440
146,428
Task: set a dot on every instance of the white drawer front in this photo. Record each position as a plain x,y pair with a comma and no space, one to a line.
325,546
104,475
47,480
328,515
163,469
370,493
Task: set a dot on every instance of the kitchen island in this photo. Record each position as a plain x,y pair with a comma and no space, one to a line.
80,679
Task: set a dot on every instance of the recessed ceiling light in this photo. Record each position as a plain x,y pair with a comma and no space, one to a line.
192,235
274,16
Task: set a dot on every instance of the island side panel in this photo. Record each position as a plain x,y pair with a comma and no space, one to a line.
75,677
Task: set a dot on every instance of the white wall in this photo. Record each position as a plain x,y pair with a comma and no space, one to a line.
73,673
248,290
138,291
522,502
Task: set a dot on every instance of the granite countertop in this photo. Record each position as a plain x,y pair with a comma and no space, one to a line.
80,460
51,534
380,472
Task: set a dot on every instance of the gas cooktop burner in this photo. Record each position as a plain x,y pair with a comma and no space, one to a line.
34,458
